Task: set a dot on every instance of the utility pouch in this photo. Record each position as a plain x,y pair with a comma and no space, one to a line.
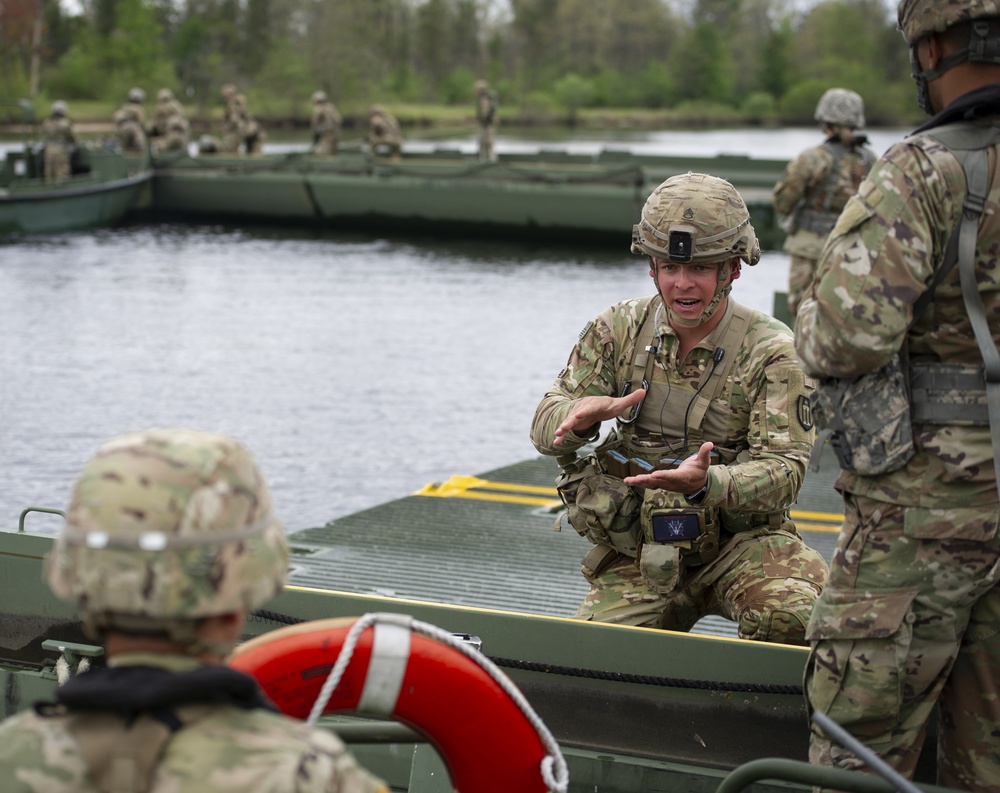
660,566
606,511
867,420
597,560
667,518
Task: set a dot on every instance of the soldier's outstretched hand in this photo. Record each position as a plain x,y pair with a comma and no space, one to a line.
689,476
592,410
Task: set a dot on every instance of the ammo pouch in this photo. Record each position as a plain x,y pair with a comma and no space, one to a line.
675,534
867,420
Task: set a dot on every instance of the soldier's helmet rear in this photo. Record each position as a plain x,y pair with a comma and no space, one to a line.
136,95
168,526
695,217
165,95
919,18
60,108
842,107
319,96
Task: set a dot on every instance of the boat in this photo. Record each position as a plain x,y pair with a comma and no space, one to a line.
103,188
552,194
631,709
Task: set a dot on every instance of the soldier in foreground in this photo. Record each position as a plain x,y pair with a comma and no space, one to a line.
902,314
686,500
816,185
170,541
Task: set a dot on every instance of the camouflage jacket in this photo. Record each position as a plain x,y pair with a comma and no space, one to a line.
805,187
756,414
58,131
326,119
228,748
879,259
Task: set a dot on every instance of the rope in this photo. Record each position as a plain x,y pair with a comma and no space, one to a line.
555,773
594,674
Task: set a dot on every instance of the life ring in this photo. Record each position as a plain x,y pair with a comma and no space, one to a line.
486,733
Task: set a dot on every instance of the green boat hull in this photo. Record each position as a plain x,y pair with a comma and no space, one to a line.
551,195
103,189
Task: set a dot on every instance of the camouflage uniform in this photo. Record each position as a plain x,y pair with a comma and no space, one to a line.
385,138
807,186
57,131
170,129
487,107
130,123
325,125
164,529
909,618
233,120
225,747
765,578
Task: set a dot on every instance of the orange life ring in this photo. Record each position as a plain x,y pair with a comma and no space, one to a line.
484,737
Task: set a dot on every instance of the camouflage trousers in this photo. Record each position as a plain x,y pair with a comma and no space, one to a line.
487,136
766,581
910,619
799,278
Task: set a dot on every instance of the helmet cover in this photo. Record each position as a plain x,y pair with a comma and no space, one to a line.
842,107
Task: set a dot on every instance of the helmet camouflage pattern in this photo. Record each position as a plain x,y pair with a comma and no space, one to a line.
60,108
136,95
165,95
319,96
168,525
919,18
695,217
843,107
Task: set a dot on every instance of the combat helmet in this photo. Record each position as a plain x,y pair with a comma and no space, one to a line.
920,18
136,95
164,95
319,96
166,527
60,108
841,107
695,218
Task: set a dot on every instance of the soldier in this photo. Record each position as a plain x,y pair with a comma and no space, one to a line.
57,131
325,125
816,185
130,123
488,116
233,120
385,138
170,128
170,540
253,133
686,500
908,621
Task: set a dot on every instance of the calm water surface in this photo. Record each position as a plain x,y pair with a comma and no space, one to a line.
357,369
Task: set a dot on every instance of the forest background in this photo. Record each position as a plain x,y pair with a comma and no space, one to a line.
601,63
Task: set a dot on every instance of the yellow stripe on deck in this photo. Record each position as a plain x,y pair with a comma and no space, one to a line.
536,495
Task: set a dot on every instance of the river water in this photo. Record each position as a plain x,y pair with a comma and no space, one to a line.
357,368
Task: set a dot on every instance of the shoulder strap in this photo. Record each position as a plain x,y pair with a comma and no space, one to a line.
970,144
122,756
643,354
838,150
735,330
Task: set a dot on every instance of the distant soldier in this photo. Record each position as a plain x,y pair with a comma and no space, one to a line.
817,184
170,129
385,138
488,116
233,120
170,541
57,131
325,125
130,123
253,133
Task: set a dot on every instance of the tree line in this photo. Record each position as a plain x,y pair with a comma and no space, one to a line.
749,60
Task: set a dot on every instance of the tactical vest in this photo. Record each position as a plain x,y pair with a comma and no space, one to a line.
620,519
821,216
927,392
